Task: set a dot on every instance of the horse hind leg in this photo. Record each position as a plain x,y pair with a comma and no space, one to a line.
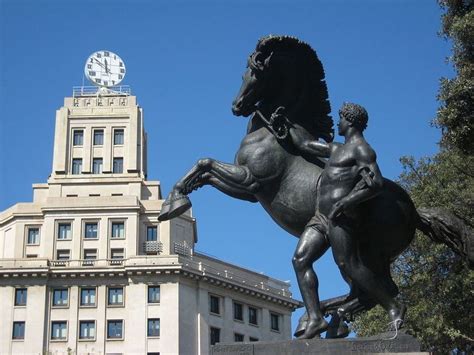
328,307
345,313
341,309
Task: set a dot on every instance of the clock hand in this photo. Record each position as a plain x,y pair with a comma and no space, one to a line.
102,65
106,70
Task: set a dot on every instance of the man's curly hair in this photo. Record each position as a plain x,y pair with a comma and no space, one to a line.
355,114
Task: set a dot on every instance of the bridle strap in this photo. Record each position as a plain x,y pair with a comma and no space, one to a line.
278,123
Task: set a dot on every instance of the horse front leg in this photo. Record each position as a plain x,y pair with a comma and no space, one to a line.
231,191
234,180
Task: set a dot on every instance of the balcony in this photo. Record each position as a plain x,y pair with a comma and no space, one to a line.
152,247
86,263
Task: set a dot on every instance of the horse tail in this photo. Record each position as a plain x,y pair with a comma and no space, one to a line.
442,226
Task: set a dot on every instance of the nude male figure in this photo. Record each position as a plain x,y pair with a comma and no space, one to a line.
351,176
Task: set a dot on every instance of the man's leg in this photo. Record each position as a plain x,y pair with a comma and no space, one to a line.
345,254
311,246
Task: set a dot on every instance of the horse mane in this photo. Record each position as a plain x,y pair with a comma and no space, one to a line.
317,118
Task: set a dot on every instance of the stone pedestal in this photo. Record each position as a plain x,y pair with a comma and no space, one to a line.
382,343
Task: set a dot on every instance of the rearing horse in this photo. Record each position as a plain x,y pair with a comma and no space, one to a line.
284,75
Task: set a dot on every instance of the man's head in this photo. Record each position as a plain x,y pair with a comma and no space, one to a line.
355,114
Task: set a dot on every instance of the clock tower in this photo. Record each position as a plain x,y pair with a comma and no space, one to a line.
87,266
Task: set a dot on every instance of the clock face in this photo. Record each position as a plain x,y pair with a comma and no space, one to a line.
105,68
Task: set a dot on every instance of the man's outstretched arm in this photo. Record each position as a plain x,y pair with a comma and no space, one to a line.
305,143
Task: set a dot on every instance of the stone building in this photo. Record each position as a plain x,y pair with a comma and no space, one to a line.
87,268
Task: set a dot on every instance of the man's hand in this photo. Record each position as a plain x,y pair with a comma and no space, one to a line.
337,209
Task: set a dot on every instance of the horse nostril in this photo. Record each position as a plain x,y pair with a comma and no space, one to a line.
236,106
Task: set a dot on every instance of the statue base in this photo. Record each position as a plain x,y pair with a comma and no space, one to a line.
381,343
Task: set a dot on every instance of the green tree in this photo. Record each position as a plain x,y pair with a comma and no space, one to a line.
455,116
434,282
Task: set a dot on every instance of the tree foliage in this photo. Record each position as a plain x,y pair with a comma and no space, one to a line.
434,282
455,116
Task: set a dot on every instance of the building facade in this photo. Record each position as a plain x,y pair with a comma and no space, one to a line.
86,268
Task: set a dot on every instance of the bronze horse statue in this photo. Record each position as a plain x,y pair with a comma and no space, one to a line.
284,74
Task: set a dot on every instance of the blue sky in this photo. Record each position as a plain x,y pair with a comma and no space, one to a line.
184,63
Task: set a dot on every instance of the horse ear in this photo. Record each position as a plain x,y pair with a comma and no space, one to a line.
267,61
255,62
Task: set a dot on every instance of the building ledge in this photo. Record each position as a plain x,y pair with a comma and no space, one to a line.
90,203
87,179
28,209
143,265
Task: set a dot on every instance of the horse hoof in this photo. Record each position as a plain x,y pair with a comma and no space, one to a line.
337,327
179,206
175,205
337,332
164,216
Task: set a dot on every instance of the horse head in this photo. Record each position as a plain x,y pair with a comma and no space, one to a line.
284,71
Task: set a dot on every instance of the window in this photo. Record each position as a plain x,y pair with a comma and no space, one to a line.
76,166
18,330
118,166
90,230
118,230
62,254
97,166
151,233
153,294
253,316
98,136
115,297
86,329
275,322
58,330
33,236
114,329
64,231
214,304
238,311
78,137
252,339
215,335
88,296
118,136
60,297
20,296
238,337
90,254
154,327
117,253
31,256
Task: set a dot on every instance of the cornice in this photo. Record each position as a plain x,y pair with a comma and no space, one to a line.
46,273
